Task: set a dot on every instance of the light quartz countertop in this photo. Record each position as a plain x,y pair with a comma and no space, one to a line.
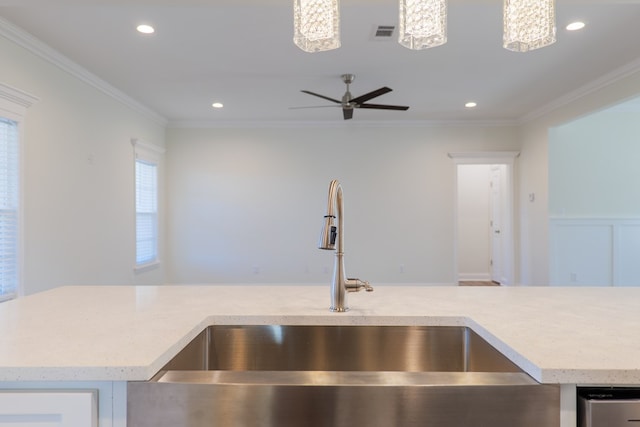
120,333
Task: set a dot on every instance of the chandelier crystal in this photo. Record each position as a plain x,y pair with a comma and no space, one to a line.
529,24
316,25
423,23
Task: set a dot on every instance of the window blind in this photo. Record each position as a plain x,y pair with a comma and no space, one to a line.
146,212
9,197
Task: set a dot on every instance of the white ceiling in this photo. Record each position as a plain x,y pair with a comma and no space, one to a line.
241,53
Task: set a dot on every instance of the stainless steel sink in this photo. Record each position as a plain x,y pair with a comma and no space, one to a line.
321,376
340,348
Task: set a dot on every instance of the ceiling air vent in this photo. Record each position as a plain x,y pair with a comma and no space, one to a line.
383,32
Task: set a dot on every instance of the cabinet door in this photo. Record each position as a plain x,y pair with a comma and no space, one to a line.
26,408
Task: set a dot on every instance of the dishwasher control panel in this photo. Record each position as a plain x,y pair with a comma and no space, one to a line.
609,407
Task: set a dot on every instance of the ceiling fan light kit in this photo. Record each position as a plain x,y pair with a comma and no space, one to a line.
316,25
528,24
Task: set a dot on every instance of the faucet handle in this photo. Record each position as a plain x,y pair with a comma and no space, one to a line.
356,285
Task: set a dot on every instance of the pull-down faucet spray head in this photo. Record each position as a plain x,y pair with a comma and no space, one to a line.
328,234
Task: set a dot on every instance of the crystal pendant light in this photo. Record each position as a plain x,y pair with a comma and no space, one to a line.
423,23
529,24
316,25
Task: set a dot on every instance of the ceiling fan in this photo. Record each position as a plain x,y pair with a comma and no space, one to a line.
348,103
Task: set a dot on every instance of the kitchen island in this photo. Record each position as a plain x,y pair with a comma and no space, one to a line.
100,337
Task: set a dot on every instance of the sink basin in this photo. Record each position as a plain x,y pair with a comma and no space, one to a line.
340,348
321,376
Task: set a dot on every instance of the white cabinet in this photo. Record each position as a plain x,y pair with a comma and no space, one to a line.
58,408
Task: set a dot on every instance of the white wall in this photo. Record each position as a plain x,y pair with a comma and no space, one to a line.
473,222
78,182
79,219
593,166
534,168
594,200
246,205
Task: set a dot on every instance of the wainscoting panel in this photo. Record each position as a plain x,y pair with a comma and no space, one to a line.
594,251
628,259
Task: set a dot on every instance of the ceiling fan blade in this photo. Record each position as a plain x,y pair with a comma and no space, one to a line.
347,113
367,96
322,96
384,107
314,106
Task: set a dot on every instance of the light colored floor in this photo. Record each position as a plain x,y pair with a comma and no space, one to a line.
477,283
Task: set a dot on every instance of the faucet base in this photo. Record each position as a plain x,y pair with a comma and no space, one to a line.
339,309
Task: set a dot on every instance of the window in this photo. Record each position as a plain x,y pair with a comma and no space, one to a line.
13,108
147,164
146,212
9,203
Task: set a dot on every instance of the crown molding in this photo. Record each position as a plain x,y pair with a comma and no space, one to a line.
475,157
37,47
594,86
289,124
22,38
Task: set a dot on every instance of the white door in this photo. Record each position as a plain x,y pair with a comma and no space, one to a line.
495,225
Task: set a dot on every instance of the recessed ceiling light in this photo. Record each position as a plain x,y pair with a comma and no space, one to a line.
471,104
217,105
145,29
574,26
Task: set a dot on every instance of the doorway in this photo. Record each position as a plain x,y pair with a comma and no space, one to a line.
483,241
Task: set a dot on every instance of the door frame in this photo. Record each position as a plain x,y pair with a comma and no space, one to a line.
506,158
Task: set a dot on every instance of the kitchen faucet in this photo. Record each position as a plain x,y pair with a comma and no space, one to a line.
328,236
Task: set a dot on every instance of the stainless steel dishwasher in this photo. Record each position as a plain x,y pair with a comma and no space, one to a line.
609,407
